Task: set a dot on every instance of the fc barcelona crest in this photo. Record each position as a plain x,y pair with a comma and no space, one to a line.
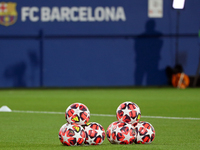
8,13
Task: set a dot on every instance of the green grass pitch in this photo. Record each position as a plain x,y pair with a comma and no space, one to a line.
39,131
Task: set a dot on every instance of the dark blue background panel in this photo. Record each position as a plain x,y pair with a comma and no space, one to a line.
95,61
78,43
19,63
89,62
189,54
104,62
125,17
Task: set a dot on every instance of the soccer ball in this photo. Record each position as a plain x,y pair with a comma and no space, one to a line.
109,131
128,112
123,133
77,113
145,132
71,134
95,133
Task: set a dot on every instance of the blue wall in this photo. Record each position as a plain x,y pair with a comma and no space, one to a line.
129,52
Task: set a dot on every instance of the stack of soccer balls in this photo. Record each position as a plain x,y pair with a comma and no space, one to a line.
128,129
77,130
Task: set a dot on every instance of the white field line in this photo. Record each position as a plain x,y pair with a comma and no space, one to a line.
107,115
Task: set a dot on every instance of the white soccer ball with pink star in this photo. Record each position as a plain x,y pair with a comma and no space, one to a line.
71,134
123,133
145,132
109,131
95,133
77,113
128,112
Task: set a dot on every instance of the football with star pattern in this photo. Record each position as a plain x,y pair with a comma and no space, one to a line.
95,133
128,112
109,131
123,133
71,134
77,113
145,132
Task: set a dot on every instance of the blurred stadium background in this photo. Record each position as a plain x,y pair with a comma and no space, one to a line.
96,43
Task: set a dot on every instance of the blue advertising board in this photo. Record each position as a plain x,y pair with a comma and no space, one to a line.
91,17
94,43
